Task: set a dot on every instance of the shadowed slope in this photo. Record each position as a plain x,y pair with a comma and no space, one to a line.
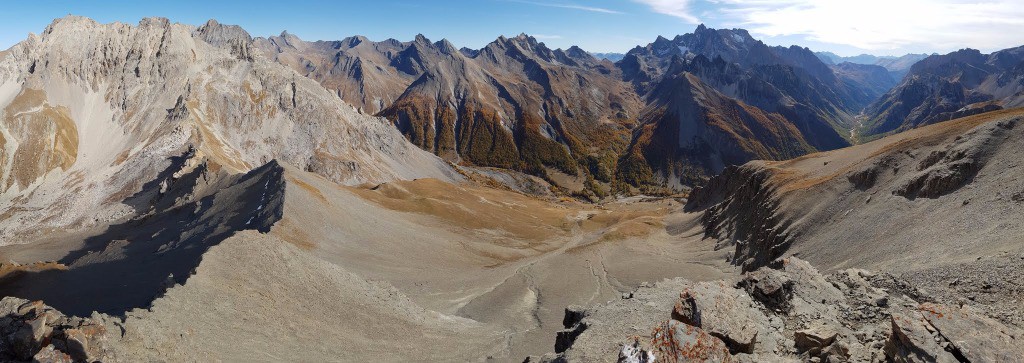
130,264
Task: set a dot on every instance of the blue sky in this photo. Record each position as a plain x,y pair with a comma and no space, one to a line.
883,27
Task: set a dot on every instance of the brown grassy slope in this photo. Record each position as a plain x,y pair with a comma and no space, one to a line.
45,135
839,223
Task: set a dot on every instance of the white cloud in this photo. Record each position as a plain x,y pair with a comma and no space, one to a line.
569,6
889,24
676,8
875,25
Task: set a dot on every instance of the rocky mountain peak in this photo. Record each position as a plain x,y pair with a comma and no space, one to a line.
71,23
287,39
578,53
963,56
446,47
469,52
154,21
526,42
355,40
527,45
231,37
421,39
219,34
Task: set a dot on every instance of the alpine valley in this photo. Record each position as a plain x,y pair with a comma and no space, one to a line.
189,192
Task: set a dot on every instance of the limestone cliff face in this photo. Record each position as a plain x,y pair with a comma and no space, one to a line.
92,111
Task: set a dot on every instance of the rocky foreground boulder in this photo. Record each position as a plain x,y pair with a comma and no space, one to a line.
787,311
31,331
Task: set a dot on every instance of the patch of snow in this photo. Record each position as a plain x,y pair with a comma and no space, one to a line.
738,38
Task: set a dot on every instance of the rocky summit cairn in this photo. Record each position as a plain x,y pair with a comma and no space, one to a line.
788,311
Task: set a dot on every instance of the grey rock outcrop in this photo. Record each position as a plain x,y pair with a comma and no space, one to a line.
741,208
848,316
32,331
948,169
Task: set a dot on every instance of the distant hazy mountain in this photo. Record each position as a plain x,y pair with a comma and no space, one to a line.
944,87
832,58
897,66
614,57
875,80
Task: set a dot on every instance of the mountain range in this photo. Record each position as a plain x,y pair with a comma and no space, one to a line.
583,123
897,66
177,192
614,57
944,87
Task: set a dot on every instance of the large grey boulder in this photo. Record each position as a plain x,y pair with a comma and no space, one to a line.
31,330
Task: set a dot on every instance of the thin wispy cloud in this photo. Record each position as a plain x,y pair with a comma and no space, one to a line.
546,36
886,24
569,6
677,8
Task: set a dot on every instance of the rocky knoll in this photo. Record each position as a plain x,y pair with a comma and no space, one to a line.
786,312
34,332
862,205
132,263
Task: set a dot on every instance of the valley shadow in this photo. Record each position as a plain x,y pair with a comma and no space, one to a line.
131,264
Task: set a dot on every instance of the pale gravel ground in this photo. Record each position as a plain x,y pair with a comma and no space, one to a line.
356,281
258,298
426,259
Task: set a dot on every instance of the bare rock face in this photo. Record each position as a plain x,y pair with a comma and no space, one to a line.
944,171
574,326
685,342
848,316
912,342
92,112
770,287
974,336
51,355
741,209
728,314
32,331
